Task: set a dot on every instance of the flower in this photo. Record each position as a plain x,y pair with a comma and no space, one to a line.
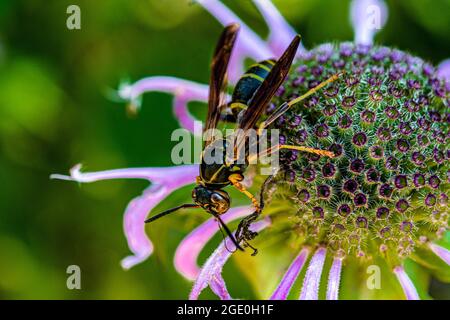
381,200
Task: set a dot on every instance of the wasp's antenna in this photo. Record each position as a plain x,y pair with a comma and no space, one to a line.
162,214
228,232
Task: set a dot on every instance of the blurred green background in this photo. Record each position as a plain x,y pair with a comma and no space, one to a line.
56,110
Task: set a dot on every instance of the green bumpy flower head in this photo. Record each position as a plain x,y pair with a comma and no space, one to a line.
386,120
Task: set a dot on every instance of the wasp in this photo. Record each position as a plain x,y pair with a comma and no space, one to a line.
252,93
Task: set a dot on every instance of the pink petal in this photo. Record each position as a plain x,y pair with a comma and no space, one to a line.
310,289
219,287
248,43
184,91
334,279
212,269
281,33
134,226
153,174
164,182
441,252
236,65
443,70
407,285
176,86
185,118
290,276
187,253
367,17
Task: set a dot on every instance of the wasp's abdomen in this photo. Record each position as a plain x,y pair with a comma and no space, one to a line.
247,85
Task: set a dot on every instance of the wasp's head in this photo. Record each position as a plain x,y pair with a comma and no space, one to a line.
215,202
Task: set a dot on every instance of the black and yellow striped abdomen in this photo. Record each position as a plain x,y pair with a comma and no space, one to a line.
248,84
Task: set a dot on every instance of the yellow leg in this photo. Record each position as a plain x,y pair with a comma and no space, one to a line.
235,181
316,88
285,106
326,153
307,149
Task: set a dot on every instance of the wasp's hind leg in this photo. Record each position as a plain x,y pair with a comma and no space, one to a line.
243,232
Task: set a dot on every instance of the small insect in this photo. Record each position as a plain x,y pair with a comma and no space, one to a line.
250,98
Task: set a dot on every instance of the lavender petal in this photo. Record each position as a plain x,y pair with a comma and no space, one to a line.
283,289
219,287
367,17
407,285
186,255
334,279
211,271
248,43
441,252
134,226
443,70
281,33
310,289
184,91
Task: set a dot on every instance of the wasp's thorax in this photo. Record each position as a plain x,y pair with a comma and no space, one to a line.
213,201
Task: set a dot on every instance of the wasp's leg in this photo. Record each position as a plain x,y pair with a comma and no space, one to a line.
243,232
235,180
245,223
285,146
286,105
308,149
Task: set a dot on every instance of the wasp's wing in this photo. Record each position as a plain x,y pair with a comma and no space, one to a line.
217,82
269,86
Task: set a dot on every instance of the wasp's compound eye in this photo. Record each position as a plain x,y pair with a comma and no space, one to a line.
220,202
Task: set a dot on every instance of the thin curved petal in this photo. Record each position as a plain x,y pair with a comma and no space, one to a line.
443,70
334,279
181,112
367,17
219,287
134,226
248,43
164,181
248,40
310,289
176,86
184,91
236,65
441,252
153,174
407,285
281,33
185,259
290,276
212,269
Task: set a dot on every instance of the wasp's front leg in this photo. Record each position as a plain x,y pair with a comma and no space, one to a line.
235,180
243,232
